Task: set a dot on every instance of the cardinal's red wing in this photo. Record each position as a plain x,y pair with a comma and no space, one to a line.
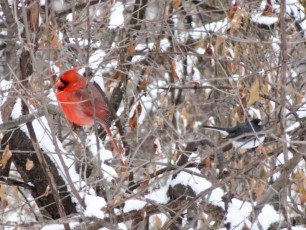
94,101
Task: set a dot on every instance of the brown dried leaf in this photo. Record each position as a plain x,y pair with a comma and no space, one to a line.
3,196
155,146
231,67
131,48
176,4
207,164
209,51
265,90
2,191
144,84
154,167
43,38
133,122
300,179
162,98
4,203
158,222
219,42
46,193
117,76
200,43
156,46
29,164
254,93
243,99
303,2
239,19
241,70
301,97
143,213
116,200
240,163
261,187
245,227
233,186
195,84
55,42
252,184
236,50
174,157
173,73
33,16
53,78
139,109
7,154
236,22
268,10
170,112
59,64
8,105
262,172
303,198
232,11
146,183
160,122
149,72
185,114
240,114
105,18
16,194
261,149
123,172
299,175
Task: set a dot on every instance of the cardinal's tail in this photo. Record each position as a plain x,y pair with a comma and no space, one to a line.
108,132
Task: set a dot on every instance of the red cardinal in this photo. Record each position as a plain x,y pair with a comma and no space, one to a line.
80,101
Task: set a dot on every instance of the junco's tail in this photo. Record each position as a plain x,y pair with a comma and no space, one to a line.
219,129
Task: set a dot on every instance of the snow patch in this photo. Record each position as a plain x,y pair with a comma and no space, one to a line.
133,204
237,214
59,226
116,19
301,112
268,216
94,204
159,195
199,184
96,58
263,20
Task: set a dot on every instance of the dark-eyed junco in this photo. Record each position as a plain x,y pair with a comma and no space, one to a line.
244,135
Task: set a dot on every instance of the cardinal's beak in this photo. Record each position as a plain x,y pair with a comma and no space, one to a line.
59,84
